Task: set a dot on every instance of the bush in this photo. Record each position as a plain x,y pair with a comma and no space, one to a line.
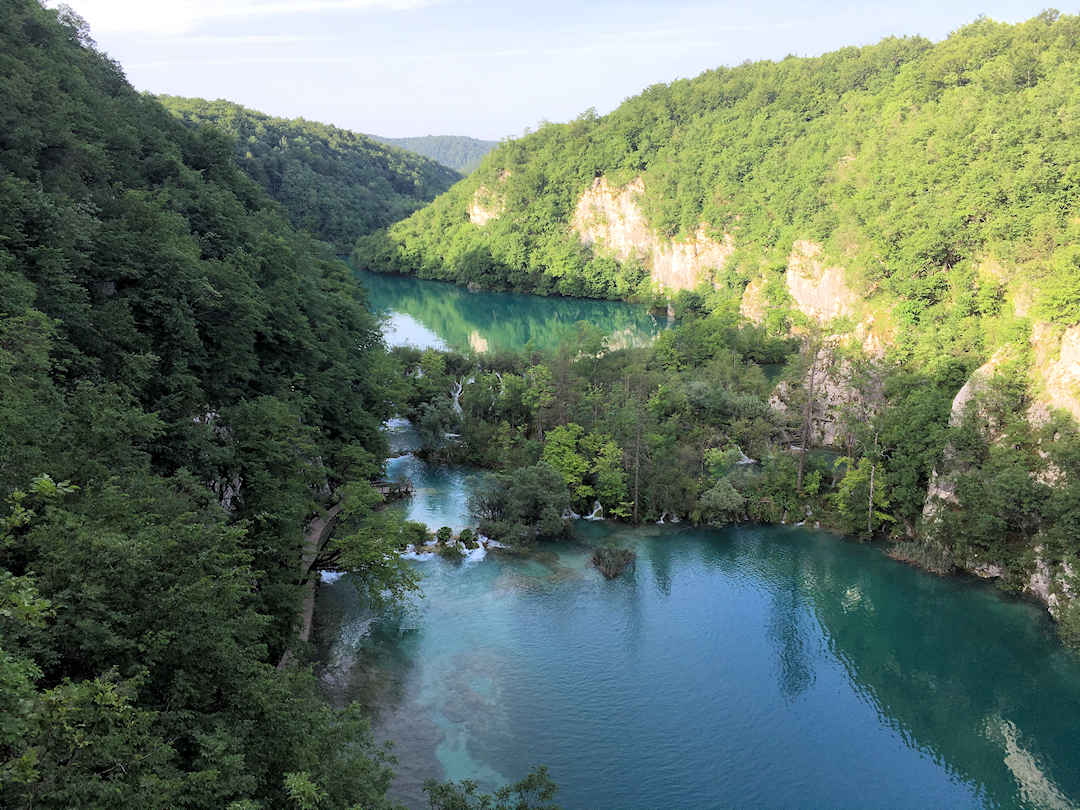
612,561
444,534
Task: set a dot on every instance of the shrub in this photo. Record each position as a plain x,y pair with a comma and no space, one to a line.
612,561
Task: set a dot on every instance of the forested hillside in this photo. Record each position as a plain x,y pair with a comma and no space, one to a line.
459,152
841,150
333,183
909,212
183,377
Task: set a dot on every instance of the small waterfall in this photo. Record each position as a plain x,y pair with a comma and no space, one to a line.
570,514
455,395
597,512
410,553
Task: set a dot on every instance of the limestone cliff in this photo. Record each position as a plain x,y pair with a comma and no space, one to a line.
942,488
488,204
822,294
612,220
1056,367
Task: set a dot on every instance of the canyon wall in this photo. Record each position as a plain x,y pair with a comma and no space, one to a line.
611,219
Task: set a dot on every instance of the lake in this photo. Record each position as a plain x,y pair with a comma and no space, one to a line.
744,667
440,315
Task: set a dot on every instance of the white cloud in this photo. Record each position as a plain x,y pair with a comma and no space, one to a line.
175,17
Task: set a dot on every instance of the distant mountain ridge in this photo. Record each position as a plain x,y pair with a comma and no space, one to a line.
459,152
334,183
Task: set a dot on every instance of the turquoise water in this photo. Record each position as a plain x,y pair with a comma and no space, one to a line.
436,314
751,667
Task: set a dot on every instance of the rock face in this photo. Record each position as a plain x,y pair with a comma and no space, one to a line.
819,292
611,219
485,206
1057,368
488,204
753,304
942,487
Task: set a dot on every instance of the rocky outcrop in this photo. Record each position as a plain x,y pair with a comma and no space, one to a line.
822,294
612,220
753,305
488,204
485,206
942,487
1056,367
819,292
1050,585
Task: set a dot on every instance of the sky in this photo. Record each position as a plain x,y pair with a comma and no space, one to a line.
472,67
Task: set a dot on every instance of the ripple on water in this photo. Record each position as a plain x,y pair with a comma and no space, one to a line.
749,667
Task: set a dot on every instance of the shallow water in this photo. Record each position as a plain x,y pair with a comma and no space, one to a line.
755,666
439,315
749,667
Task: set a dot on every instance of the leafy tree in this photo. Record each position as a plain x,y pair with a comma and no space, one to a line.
521,507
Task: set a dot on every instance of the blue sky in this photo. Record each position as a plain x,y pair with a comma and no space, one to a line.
471,67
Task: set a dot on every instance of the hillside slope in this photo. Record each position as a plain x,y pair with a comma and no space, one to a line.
334,183
910,210
941,180
459,152
181,372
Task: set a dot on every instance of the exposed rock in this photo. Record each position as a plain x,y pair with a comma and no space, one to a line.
1051,587
985,570
833,392
1056,369
942,487
487,204
753,305
612,219
819,292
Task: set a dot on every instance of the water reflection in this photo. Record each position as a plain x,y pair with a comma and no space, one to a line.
436,314
754,666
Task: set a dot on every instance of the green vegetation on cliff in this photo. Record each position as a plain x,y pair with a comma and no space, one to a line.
910,162
459,152
333,183
908,210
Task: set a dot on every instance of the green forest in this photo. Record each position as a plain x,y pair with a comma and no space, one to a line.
942,180
459,152
187,381
839,149
335,184
194,386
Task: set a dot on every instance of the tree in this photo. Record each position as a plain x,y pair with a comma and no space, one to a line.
562,454
539,394
523,506
535,792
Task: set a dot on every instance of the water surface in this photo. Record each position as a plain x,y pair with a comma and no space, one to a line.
750,667
440,315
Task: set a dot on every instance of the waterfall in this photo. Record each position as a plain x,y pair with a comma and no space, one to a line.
597,512
455,395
